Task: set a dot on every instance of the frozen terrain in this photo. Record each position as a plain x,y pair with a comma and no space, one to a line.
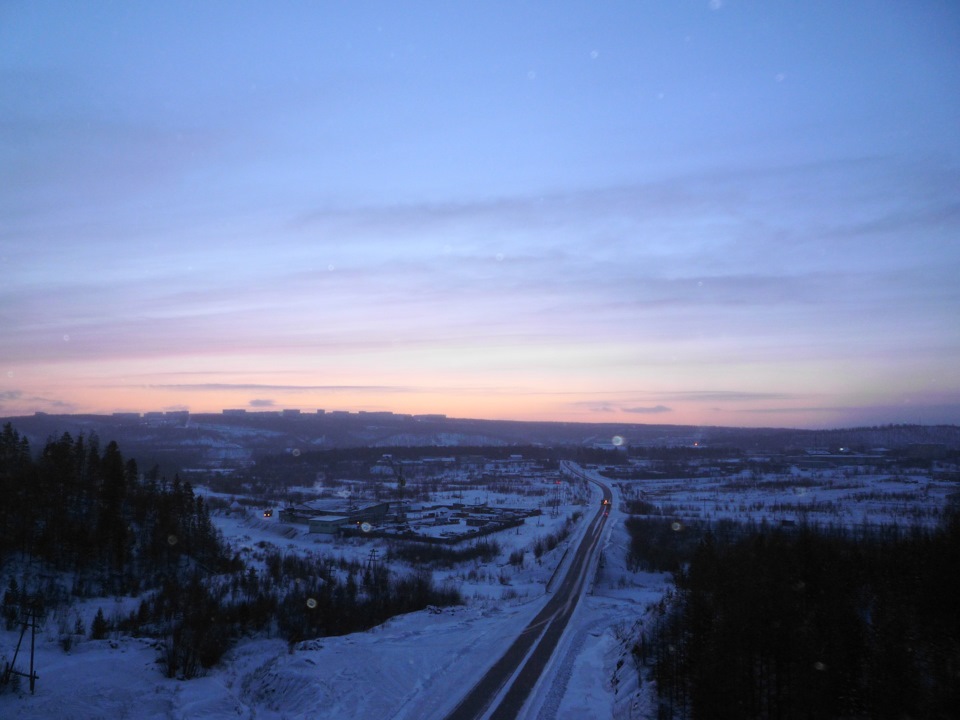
418,665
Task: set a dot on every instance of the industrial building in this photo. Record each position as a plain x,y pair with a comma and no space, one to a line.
330,516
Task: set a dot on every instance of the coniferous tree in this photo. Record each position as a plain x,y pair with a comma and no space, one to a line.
820,623
100,627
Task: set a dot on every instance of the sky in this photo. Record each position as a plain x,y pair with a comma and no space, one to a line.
704,212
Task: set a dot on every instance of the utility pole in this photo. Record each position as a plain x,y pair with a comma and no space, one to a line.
30,615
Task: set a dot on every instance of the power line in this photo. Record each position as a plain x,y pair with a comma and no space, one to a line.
30,615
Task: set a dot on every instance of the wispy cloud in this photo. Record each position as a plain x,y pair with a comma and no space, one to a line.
603,406
655,410
597,407
304,208
260,403
16,401
352,389
697,396
733,396
218,387
687,256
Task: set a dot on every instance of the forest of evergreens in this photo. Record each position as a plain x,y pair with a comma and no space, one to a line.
90,513
81,522
812,623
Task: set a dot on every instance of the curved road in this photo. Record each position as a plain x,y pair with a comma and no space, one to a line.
525,660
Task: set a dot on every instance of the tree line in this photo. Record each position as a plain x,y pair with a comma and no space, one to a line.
816,623
99,527
90,513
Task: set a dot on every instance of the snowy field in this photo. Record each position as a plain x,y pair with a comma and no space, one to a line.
418,665
845,498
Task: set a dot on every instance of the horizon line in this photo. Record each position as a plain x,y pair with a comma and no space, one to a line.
293,413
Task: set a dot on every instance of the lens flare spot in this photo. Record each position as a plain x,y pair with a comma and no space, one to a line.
311,603
171,540
676,526
617,441
366,527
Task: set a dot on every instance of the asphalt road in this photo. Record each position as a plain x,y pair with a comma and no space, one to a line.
525,660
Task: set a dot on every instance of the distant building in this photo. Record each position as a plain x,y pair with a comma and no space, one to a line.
332,515
329,524
232,412
176,417
609,446
126,415
291,413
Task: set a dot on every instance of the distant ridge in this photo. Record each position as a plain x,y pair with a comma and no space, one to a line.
202,436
